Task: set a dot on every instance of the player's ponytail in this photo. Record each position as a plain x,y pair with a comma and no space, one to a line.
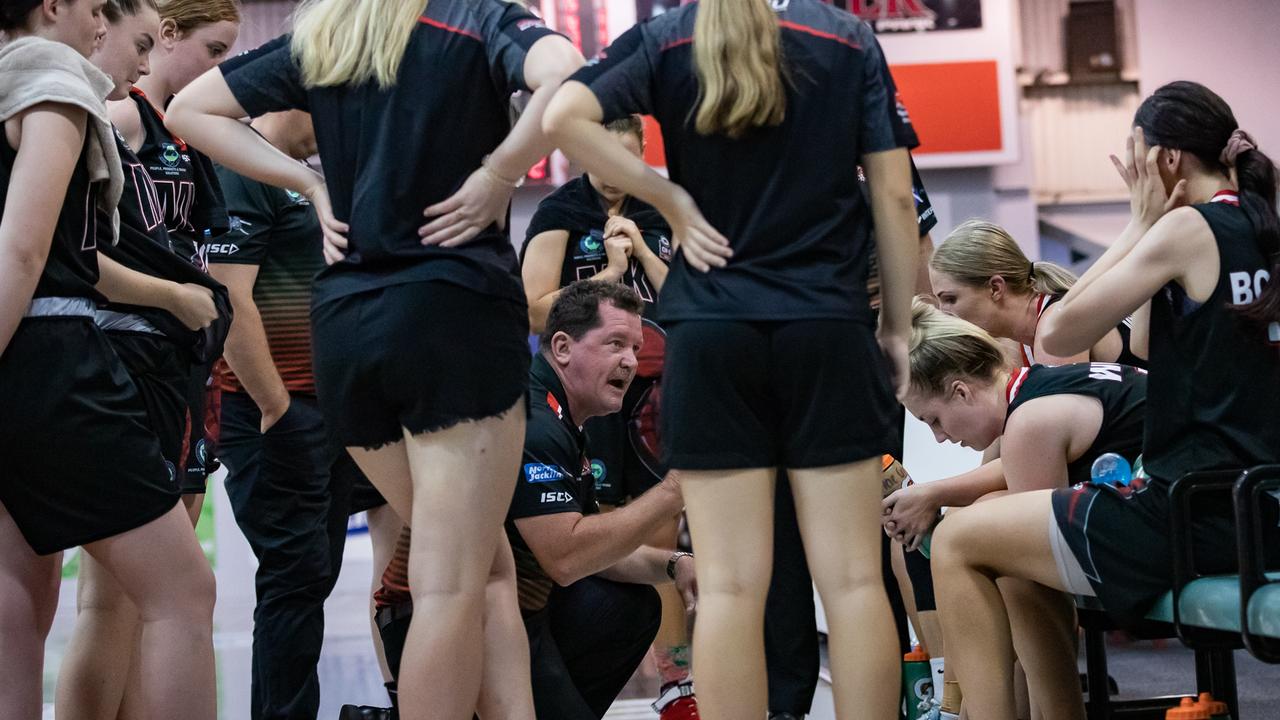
945,348
1190,117
1256,176
349,42
978,250
737,52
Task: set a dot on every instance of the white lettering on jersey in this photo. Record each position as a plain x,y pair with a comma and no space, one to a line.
1104,371
176,199
1245,288
148,200
556,497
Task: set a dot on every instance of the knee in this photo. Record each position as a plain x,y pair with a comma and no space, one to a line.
189,595
954,540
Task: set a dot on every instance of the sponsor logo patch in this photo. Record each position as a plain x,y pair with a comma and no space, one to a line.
169,155
540,473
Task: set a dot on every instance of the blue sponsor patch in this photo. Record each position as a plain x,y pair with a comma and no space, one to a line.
539,473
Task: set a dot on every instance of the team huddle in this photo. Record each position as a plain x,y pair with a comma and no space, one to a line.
728,349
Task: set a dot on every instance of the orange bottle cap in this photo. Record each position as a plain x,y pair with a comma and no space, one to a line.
1187,710
885,461
916,655
1213,707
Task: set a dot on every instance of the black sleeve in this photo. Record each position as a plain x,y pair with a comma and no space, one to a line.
252,212
622,78
547,483
267,79
209,212
899,118
549,216
510,31
880,120
925,216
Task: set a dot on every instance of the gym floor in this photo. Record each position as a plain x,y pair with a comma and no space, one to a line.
348,673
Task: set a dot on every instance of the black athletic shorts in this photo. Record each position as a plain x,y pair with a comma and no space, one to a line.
78,460
620,471
420,356
160,370
1121,538
796,394
200,455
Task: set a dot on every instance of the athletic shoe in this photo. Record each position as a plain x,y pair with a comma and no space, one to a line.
685,708
366,712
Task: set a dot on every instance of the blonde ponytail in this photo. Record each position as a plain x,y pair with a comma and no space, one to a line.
350,42
737,52
945,348
978,250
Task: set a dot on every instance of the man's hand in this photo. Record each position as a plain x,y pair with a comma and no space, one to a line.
618,225
909,514
687,583
273,410
193,306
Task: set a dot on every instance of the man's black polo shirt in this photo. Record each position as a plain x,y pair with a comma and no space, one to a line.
555,477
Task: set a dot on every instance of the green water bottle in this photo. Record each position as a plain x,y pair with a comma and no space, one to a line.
917,680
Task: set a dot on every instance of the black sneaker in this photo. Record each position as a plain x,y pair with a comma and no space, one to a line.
367,712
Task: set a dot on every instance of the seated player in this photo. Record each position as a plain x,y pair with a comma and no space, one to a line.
1053,422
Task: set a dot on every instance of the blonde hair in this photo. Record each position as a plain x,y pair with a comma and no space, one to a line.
188,15
978,249
945,348
737,52
350,42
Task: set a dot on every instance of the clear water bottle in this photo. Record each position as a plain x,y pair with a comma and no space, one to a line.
1111,469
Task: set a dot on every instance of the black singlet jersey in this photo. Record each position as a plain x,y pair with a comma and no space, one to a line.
72,267
1215,378
577,208
186,186
554,477
787,197
146,246
1121,389
1125,328
389,154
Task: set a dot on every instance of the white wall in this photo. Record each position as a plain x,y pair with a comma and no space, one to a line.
1229,45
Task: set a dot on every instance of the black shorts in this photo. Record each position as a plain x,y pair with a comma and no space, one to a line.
420,356
160,370
797,394
620,471
200,455
1121,538
78,461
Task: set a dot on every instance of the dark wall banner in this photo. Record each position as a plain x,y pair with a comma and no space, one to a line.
916,15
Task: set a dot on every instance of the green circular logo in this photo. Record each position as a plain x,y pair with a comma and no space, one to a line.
169,155
597,470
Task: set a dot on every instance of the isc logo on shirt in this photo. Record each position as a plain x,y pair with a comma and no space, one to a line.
557,497
539,473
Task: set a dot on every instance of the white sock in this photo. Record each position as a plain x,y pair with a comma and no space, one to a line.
936,665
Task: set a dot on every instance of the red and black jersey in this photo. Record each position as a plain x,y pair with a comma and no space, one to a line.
390,153
787,197
1122,391
278,231
146,246
190,199
555,477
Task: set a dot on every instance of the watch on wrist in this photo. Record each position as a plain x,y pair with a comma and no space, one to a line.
671,564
